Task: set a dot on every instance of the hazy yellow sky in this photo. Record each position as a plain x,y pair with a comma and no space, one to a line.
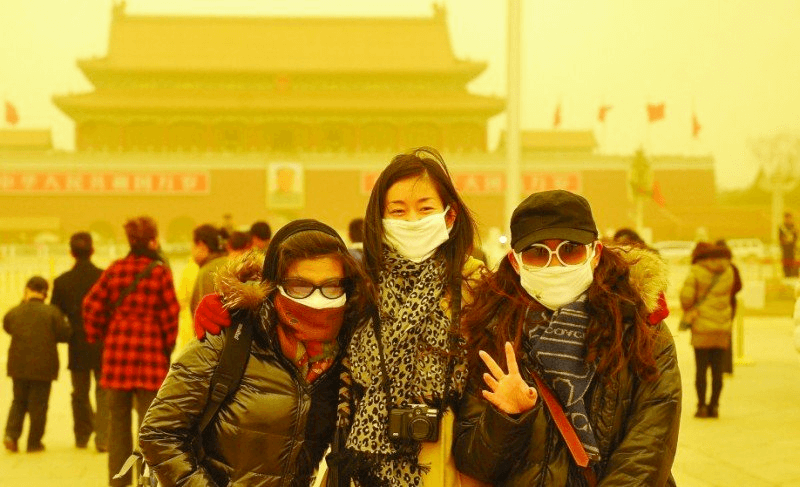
733,62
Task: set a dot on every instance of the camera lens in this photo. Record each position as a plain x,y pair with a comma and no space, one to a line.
419,428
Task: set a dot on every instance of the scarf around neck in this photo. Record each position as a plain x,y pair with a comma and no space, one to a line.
308,336
414,332
557,348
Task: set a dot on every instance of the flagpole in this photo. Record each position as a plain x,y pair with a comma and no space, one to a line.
513,173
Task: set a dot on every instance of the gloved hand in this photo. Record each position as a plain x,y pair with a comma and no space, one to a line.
210,316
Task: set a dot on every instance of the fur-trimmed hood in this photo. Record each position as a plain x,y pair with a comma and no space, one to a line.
649,274
239,282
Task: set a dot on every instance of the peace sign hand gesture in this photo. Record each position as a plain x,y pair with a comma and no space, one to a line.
509,393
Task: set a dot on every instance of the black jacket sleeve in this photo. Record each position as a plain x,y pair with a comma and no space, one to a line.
486,442
645,455
61,326
170,425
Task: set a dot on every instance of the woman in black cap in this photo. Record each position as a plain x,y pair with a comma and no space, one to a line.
580,387
274,428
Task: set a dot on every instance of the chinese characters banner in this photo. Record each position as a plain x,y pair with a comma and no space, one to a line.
495,183
188,182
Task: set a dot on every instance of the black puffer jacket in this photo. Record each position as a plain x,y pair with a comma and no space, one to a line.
635,423
272,431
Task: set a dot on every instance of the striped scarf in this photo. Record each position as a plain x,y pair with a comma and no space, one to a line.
558,350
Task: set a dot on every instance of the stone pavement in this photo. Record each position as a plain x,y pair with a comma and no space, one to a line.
755,442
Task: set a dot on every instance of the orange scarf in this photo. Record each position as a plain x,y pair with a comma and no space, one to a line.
308,335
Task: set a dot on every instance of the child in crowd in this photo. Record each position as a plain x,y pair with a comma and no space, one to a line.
35,328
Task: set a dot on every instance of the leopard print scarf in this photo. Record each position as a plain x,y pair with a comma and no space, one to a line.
414,333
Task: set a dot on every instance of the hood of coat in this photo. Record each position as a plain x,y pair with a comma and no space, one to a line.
649,274
716,265
239,283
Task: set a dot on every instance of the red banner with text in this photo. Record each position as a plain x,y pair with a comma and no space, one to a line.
110,182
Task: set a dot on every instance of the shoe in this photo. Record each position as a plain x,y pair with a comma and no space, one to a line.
81,443
101,448
702,411
10,444
35,448
713,411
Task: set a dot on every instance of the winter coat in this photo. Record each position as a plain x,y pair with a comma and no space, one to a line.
35,328
271,431
634,421
712,328
69,289
139,335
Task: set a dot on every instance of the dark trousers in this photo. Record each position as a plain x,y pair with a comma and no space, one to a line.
705,357
85,419
120,438
31,397
789,267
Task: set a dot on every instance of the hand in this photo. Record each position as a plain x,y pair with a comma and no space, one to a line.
509,393
210,316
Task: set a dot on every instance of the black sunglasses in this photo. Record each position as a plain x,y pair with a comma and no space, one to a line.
300,288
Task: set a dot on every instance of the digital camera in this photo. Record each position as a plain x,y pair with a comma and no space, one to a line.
417,422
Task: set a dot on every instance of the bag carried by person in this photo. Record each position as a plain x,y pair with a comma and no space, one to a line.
691,314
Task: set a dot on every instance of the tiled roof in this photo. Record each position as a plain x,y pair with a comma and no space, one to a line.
281,44
273,102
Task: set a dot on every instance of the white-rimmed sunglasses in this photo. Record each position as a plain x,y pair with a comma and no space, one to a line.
568,253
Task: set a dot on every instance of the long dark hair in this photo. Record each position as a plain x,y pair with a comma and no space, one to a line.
419,162
501,301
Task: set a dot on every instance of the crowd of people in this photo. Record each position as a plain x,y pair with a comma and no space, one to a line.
398,352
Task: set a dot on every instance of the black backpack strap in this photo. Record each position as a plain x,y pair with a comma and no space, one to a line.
132,286
230,369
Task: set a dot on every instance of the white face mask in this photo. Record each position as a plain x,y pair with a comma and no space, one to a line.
316,300
417,240
556,286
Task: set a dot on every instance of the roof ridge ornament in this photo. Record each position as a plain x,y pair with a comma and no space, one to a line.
118,10
439,10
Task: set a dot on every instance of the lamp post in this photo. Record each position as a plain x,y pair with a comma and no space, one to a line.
513,175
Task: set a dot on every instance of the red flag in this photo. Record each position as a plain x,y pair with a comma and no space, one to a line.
557,117
11,114
695,126
601,115
655,112
658,196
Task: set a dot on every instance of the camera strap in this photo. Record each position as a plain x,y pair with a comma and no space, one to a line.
452,345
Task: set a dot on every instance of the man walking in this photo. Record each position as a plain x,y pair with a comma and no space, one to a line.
787,235
132,308
69,289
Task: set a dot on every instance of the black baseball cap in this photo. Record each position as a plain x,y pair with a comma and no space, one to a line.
555,214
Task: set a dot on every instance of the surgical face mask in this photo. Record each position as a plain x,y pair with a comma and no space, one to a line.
556,286
417,240
316,300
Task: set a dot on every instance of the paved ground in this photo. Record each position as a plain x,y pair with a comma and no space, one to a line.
755,442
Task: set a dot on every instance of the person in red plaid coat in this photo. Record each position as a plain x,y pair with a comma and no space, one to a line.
138,334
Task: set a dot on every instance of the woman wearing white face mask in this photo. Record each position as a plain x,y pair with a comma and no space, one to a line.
277,424
408,371
586,390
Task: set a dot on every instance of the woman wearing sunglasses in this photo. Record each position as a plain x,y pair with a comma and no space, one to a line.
407,369
578,388
274,428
